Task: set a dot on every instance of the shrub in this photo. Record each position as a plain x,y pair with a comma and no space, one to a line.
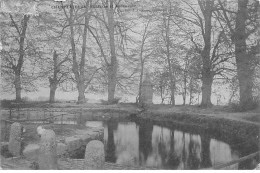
5,152
115,101
6,103
26,99
237,107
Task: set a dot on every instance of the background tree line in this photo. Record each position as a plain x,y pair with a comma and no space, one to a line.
186,46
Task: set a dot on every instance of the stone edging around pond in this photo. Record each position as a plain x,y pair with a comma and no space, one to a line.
67,146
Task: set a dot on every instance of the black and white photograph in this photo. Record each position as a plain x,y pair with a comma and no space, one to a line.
130,84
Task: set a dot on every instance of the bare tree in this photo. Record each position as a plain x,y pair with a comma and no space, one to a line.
143,50
14,58
214,52
109,32
58,76
112,67
241,27
161,84
78,68
165,40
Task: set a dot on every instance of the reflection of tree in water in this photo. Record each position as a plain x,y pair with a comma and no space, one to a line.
145,140
173,161
165,147
160,146
185,151
221,153
205,151
126,139
110,148
177,153
194,152
162,150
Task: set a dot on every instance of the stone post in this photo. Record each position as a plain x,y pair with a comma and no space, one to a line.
15,139
146,97
47,152
94,156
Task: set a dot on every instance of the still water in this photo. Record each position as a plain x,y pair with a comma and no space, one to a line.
151,145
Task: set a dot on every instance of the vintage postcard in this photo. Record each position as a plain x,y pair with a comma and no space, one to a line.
130,84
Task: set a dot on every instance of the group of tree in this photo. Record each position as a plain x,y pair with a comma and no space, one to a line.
185,45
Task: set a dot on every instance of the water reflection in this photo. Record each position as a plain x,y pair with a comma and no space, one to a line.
221,153
126,140
150,145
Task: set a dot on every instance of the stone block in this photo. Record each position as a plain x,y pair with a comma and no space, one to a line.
73,143
31,152
94,156
48,151
146,90
15,139
61,149
97,134
84,138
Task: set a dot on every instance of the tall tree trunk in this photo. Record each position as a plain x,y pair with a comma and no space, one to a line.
161,93
18,67
185,88
206,90
142,60
81,92
53,88
111,83
184,98
207,75
18,87
75,66
79,69
198,98
205,151
54,81
244,66
191,91
239,35
172,90
141,79
171,73
112,68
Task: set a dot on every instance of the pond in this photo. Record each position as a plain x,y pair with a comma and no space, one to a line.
150,145
167,146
